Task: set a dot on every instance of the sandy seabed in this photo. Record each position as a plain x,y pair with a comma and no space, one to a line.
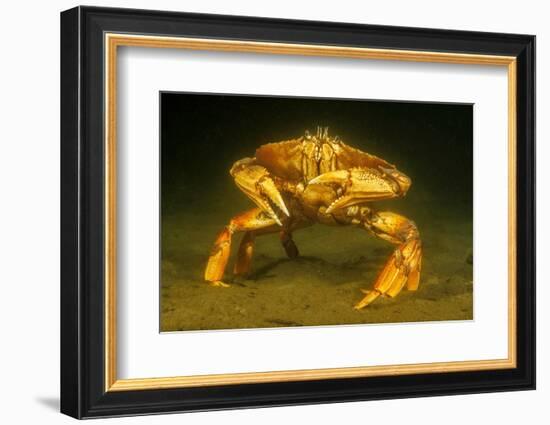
321,286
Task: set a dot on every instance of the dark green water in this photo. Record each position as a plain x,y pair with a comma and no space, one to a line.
201,137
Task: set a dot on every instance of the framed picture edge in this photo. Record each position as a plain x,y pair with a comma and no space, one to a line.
89,40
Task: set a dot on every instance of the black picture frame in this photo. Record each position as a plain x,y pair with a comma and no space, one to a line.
83,392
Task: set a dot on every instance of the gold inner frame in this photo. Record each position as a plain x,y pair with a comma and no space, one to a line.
113,41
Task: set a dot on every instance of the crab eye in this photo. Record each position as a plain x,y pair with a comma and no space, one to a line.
307,135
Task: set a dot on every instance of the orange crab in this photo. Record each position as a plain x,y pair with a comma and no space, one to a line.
319,179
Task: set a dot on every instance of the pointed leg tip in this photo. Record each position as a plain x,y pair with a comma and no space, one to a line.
219,284
370,296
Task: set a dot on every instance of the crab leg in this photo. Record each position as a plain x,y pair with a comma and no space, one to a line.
288,244
244,254
252,220
403,266
246,247
356,186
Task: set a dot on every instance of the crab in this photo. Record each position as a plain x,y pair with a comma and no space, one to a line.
317,178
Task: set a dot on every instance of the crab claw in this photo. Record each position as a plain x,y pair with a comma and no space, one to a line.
363,184
269,195
255,182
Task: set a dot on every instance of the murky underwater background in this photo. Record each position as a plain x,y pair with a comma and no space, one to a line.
201,137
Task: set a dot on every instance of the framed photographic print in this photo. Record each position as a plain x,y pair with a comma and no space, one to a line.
261,212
